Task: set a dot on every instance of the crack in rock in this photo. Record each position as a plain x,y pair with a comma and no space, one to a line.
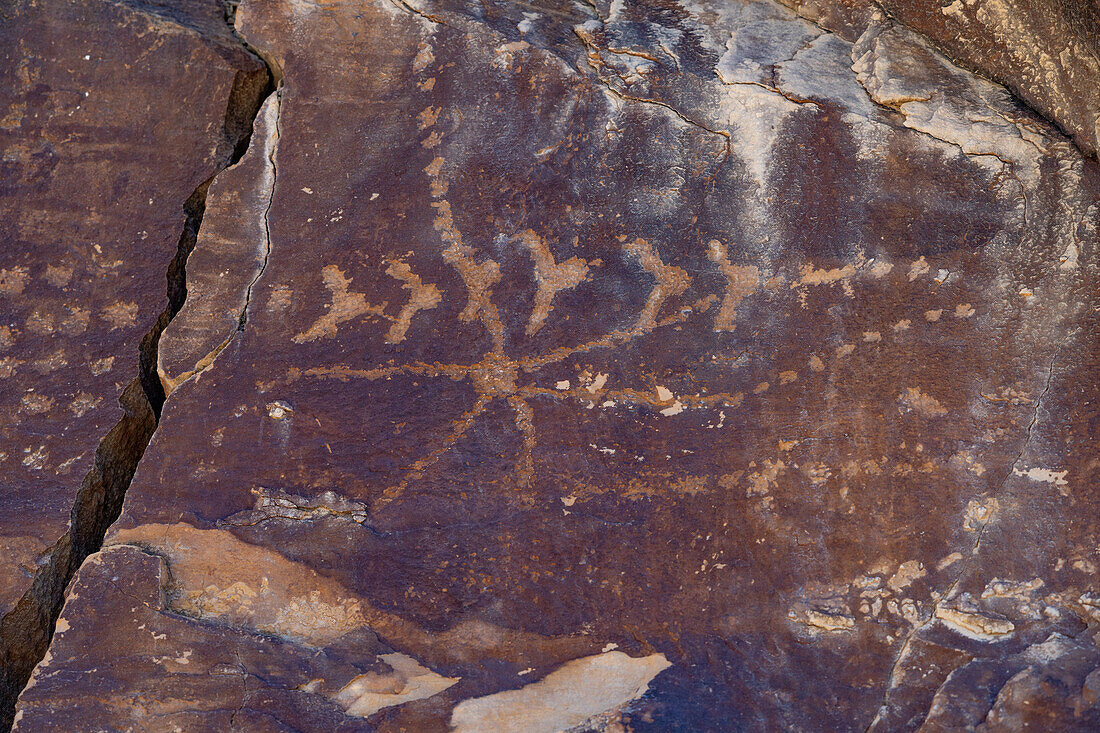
26,631
947,596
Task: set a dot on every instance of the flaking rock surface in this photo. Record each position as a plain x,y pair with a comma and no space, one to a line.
629,366
1046,51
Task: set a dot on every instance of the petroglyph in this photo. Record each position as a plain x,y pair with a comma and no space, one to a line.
346,305
422,296
552,277
671,281
688,348
500,375
497,374
742,281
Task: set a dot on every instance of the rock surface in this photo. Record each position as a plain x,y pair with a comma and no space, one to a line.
96,169
624,366
1046,51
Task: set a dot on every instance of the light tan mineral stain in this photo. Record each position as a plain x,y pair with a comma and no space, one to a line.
1057,479
13,280
909,571
406,681
974,624
120,315
219,578
567,697
979,513
913,398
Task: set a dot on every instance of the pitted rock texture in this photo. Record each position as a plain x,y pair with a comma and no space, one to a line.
629,366
103,145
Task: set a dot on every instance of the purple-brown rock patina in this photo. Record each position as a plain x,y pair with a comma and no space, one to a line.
630,366
103,142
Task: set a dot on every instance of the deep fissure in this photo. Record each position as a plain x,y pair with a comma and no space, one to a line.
26,631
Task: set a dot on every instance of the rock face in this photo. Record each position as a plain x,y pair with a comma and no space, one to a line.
622,366
102,145
1046,51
